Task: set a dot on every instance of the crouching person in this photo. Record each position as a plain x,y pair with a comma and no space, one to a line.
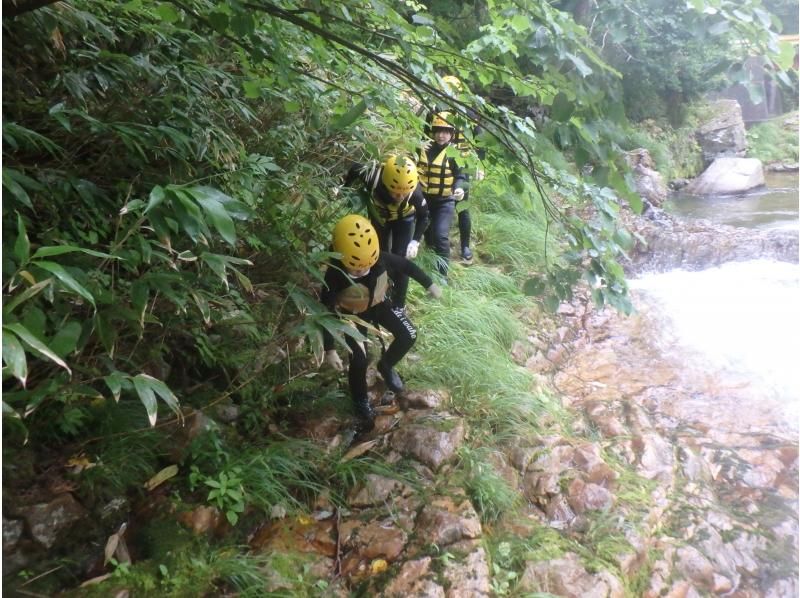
359,284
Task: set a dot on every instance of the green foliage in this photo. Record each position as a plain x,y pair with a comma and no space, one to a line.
489,492
774,141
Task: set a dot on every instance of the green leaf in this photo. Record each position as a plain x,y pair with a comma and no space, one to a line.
66,338
14,357
252,89
349,117
62,249
67,280
157,196
114,382
167,12
202,305
25,295
147,396
562,108
34,343
520,23
16,189
22,246
163,391
217,214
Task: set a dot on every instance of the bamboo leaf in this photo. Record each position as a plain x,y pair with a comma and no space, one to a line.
62,249
162,476
25,295
147,396
14,357
26,337
22,246
66,279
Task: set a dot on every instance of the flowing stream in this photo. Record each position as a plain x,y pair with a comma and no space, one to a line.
700,391
741,319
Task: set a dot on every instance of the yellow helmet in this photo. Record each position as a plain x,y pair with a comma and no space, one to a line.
399,174
452,84
355,238
441,120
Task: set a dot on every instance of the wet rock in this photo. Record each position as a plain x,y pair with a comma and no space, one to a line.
695,566
445,520
521,456
656,460
376,490
203,520
412,580
468,577
424,399
503,469
724,133
727,176
649,183
588,460
301,534
365,541
584,497
12,532
567,577
559,513
48,521
433,441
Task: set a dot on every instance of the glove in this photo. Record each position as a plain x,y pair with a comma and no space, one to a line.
333,360
412,249
458,194
479,174
435,291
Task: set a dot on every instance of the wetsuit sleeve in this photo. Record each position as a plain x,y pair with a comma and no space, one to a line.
421,210
355,172
459,178
396,264
330,288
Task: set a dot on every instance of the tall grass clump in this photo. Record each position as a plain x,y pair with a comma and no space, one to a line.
774,141
465,345
490,493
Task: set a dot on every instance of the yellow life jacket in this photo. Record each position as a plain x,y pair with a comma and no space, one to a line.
390,211
355,298
435,175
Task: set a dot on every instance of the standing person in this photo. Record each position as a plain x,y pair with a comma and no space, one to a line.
442,182
453,86
357,284
396,207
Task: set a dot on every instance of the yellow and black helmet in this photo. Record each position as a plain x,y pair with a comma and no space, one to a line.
452,84
399,175
355,238
442,120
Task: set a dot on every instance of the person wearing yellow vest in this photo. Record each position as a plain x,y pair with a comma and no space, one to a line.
442,182
453,86
396,207
358,284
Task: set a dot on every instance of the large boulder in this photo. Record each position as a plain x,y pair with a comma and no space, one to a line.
728,176
649,182
724,134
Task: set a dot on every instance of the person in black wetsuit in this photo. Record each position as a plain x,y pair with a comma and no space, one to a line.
358,284
396,207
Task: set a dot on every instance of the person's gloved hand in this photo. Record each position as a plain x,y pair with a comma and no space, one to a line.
479,174
333,360
458,194
412,249
435,291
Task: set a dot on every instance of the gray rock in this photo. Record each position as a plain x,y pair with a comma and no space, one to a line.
727,176
12,532
724,134
567,577
432,441
46,521
468,577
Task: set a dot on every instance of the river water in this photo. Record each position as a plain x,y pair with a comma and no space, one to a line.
739,320
699,390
